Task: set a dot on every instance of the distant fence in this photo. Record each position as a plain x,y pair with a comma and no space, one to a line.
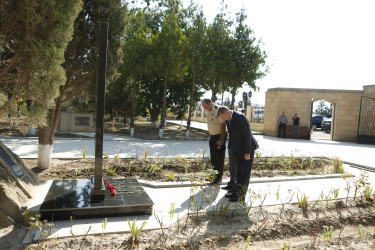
256,120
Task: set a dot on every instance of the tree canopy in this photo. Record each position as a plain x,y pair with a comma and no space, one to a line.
33,37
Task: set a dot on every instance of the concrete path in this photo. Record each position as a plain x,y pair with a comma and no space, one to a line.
193,124
128,147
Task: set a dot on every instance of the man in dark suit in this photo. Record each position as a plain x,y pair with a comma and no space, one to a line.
243,144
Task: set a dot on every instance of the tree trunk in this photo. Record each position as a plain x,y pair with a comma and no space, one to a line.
164,110
213,98
190,107
32,131
132,110
234,90
46,136
10,118
18,115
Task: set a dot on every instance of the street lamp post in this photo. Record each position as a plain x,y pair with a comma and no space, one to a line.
244,97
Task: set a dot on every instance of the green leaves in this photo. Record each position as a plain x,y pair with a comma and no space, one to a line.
33,48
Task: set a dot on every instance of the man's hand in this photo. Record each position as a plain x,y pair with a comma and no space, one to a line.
220,142
247,157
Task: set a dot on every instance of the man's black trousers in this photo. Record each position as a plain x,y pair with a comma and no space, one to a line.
243,173
217,156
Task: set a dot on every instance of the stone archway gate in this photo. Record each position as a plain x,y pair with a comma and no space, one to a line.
346,103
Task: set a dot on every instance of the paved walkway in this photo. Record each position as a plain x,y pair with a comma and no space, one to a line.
193,124
128,147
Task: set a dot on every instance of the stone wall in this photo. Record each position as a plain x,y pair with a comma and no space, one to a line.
346,106
76,122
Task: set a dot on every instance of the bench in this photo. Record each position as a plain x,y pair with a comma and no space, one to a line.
303,132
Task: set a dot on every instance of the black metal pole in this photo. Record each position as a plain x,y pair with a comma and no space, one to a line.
359,120
98,171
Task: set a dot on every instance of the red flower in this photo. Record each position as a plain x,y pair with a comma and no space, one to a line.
105,180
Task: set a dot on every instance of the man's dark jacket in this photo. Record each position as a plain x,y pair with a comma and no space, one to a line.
240,136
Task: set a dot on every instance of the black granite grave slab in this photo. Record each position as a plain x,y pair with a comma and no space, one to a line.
67,198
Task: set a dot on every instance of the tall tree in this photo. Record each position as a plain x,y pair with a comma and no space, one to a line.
195,49
169,59
247,62
33,37
217,56
81,59
136,50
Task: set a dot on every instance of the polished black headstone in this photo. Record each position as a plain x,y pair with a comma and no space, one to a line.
67,198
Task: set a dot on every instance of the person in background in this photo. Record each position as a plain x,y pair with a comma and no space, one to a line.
283,121
243,145
216,129
296,124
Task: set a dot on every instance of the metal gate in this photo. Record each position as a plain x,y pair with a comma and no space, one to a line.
311,114
366,122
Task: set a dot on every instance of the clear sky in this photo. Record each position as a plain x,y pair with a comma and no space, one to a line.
324,44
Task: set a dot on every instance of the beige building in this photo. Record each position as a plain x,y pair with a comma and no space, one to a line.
345,114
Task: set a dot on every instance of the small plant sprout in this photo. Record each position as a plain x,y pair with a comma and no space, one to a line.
199,157
223,208
153,168
130,165
204,152
278,193
171,176
247,242
361,232
171,211
104,224
84,150
117,158
327,232
105,156
285,247
135,231
336,193
258,155
337,164
291,171
112,170
212,175
303,202
187,167
204,167
147,151
311,163
367,193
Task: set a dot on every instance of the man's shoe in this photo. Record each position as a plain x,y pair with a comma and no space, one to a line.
236,198
227,187
230,195
216,181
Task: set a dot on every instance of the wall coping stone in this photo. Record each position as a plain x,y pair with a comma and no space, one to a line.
316,90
